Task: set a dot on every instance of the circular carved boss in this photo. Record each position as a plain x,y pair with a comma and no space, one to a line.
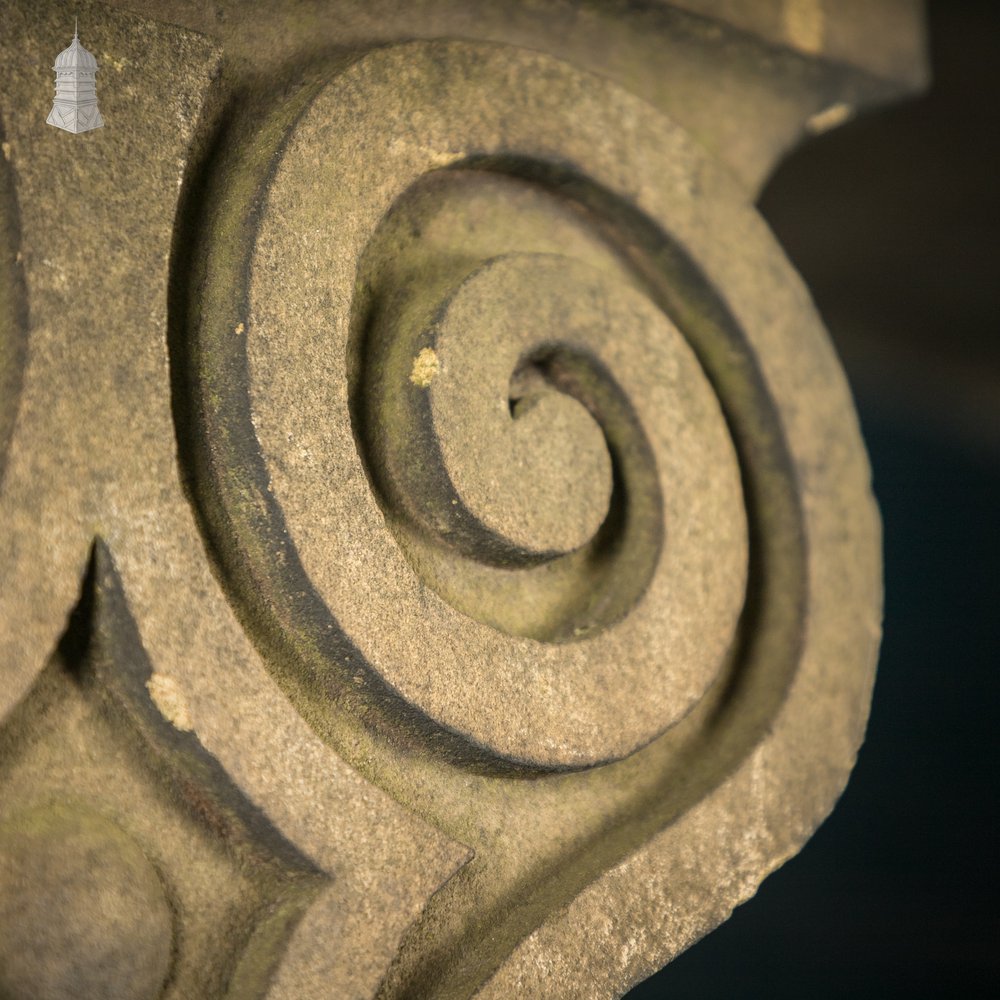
493,376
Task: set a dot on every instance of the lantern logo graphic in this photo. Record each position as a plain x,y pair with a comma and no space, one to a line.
75,106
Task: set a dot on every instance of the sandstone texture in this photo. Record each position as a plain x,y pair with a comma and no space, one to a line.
437,552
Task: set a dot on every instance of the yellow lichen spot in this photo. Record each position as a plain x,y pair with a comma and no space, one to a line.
169,699
109,60
425,367
804,24
829,118
239,328
5,146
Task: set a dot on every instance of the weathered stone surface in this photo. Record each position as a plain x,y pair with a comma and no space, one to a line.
108,923
438,555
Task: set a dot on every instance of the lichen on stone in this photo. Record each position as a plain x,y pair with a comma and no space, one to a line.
425,367
169,699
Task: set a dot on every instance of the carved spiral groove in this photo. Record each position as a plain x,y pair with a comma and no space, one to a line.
455,337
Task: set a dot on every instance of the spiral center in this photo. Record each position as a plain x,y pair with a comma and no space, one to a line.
526,461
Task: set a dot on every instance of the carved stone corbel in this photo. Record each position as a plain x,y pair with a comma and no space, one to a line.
438,557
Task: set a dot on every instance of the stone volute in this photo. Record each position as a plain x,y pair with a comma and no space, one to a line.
437,545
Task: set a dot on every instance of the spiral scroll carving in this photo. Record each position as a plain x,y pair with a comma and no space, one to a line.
482,562
492,414
446,414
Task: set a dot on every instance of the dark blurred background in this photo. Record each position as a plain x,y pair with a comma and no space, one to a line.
894,222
